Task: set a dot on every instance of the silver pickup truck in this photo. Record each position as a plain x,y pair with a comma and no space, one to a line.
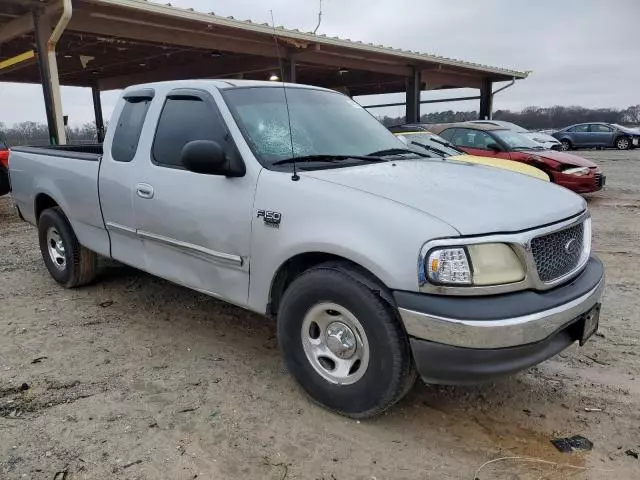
296,203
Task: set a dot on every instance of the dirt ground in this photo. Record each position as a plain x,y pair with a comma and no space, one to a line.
137,378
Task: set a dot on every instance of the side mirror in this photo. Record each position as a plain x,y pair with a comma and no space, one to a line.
494,146
207,157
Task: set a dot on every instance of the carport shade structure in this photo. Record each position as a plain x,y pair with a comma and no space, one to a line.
111,44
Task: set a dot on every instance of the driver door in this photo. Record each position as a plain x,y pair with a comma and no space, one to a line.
195,228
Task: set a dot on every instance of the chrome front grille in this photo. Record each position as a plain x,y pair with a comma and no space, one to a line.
558,253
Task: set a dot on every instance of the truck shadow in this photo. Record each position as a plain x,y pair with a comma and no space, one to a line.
516,415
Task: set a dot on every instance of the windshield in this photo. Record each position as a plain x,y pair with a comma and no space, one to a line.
516,141
429,144
322,123
514,127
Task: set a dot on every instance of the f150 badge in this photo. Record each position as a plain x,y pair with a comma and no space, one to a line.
271,219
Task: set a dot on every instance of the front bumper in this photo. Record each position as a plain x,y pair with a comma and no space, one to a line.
472,339
585,184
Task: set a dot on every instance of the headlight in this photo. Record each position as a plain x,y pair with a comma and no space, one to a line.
578,171
480,265
495,264
449,265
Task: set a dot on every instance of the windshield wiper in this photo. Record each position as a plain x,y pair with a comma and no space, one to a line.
395,151
328,158
447,144
440,153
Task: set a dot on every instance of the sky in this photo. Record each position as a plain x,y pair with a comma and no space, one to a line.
579,52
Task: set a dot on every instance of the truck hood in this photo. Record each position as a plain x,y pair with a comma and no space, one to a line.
566,158
473,199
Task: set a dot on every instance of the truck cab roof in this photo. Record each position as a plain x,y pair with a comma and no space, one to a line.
220,84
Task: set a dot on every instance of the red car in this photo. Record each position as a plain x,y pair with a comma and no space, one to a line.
4,168
570,171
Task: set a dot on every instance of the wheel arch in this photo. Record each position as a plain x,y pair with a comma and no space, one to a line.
618,136
291,268
42,202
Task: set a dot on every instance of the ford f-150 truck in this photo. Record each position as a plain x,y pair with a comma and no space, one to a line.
296,203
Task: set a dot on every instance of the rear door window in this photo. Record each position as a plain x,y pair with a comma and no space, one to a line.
600,128
185,118
127,134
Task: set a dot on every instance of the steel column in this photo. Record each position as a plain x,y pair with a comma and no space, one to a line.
97,110
289,70
486,100
413,97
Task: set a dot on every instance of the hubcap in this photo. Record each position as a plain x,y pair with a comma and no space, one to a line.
55,246
623,143
565,146
335,343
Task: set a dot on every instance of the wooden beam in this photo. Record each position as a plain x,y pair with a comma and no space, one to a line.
16,28
128,28
436,79
192,71
320,57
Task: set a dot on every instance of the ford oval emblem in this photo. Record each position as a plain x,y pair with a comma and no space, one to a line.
571,247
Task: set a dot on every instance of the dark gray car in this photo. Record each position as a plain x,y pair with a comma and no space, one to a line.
586,135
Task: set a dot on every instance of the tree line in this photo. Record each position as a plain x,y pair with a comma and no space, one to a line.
533,118
536,118
36,133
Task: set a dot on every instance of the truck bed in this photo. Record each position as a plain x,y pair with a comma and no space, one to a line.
68,176
91,151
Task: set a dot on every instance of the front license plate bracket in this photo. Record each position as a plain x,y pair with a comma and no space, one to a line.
590,324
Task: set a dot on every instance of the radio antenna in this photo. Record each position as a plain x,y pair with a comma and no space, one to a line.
319,19
295,177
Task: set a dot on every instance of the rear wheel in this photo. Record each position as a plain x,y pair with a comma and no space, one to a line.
565,145
623,143
68,262
343,344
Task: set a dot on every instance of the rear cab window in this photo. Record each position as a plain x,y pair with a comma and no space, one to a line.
130,123
187,116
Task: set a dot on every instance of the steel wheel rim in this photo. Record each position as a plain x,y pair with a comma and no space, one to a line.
623,143
335,343
55,247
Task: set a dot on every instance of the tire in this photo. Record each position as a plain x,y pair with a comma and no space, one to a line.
565,145
68,262
623,143
385,372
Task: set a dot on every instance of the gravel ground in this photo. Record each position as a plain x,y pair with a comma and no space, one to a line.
137,378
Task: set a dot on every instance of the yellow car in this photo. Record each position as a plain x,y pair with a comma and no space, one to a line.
429,143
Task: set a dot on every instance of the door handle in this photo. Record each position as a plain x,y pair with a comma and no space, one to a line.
144,190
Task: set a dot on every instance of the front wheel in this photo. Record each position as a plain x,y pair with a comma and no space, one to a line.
623,143
343,344
68,262
565,145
